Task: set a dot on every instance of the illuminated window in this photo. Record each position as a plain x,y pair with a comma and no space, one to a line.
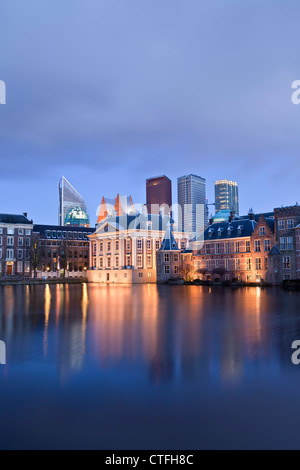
257,246
267,245
262,231
286,262
258,264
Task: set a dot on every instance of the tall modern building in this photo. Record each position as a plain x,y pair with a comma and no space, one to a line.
192,215
227,196
158,193
69,199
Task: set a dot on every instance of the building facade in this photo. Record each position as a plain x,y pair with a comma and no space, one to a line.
63,251
69,199
236,250
227,196
158,194
123,248
15,243
192,217
286,221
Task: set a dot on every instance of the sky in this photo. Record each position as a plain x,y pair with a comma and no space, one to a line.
111,92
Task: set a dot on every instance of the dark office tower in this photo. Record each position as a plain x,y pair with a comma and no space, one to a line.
227,196
159,193
192,216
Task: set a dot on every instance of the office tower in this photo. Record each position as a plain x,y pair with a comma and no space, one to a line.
159,193
227,196
192,215
69,199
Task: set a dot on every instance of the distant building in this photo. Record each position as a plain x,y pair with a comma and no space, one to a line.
192,202
15,242
64,251
77,217
69,199
227,196
158,193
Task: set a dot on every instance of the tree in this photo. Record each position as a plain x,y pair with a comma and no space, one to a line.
65,254
35,253
186,271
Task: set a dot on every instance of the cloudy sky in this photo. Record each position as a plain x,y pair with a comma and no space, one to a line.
110,92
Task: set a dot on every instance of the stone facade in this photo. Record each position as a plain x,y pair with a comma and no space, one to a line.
286,221
15,241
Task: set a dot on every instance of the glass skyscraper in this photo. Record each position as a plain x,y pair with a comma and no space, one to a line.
192,215
69,199
227,196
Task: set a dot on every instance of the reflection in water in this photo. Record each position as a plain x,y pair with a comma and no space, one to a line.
134,352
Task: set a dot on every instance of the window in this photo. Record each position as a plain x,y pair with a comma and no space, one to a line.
10,231
182,244
20,254
248,249
237,247
20,266
226,248
217,248
237,264
20,231
290,224
227,263
101,262
267,245
167,269
117,245
140,274
20,241
108,262
148,245
281,224
94,249
59,234
128,245
149,274
27,241
149,261
139,244
287,277
286,243
157,244
257,246
10,241
217,263
286,262
266,264
27,232
128,261
53,234
117,261
262,231
208,249
176,257
27,267
139,261
75,235
10,254
249,264
108,246
176,269
258,264
101,246
166,257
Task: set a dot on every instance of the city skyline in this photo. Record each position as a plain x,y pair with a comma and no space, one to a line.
222,111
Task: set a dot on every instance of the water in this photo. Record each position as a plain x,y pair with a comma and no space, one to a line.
148,367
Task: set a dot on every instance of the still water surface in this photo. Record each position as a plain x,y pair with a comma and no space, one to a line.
148,367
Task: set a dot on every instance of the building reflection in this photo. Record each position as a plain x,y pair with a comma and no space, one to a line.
165,333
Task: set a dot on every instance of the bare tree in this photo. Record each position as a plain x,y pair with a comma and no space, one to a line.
186,271
65,254
35,253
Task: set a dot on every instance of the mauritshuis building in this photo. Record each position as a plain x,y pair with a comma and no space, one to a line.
72,208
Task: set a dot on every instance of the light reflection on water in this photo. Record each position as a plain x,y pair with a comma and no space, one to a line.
188,356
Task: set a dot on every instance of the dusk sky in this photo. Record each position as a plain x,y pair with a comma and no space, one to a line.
110,92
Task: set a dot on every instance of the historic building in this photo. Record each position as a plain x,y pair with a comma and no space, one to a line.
237,249
15,243
124,246
63,251
286,221
168,258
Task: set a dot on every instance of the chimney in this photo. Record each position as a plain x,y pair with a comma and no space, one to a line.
25,214
251,214
232,216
